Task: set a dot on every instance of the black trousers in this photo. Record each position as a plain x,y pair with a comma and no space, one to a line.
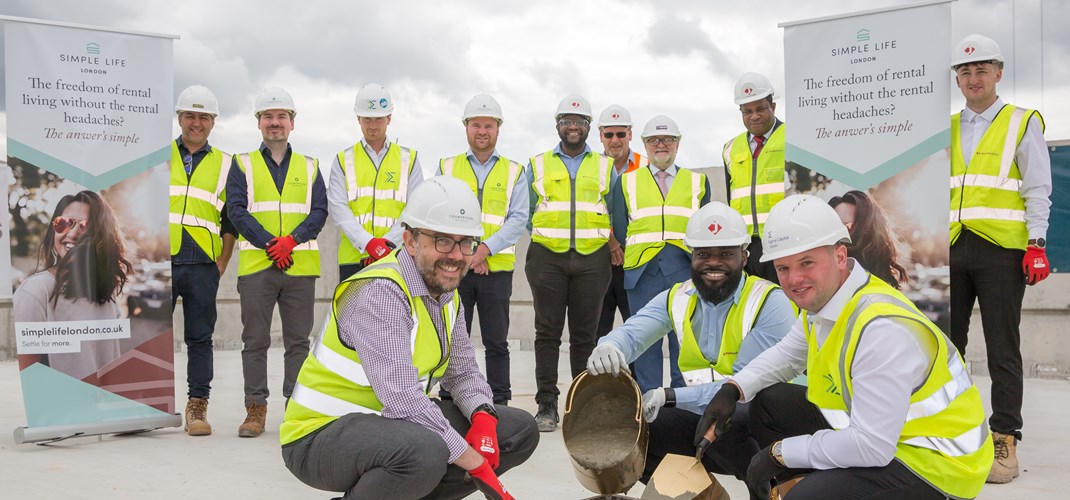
616,299
347,270
760,269
489,294
985,272
571,285
782,410
674,432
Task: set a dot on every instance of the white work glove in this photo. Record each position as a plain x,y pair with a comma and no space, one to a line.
653,400
606,358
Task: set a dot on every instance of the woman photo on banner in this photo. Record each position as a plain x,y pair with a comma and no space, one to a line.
873,243
82,267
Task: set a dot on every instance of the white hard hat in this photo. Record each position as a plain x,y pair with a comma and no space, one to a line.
975,48
799,223
197,99
661,125
573,105
482,105
615,116
444,204
373,101
274,98
716,225
751,86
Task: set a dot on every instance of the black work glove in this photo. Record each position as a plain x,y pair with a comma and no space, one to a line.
763,468
719,411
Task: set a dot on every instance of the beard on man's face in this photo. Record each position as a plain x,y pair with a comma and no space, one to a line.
716,294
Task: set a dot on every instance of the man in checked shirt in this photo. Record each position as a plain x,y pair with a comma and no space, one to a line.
360,419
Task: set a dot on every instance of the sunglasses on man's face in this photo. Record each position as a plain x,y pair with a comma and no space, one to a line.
609,135
63,224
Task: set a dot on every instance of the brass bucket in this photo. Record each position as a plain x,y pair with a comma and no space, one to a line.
604,432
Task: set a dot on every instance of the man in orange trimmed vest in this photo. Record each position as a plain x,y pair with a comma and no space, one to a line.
615,130
276,199
1000,188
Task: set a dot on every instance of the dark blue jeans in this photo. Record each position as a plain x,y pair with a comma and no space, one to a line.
197,285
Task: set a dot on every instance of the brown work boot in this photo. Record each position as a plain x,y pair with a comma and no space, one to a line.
1005,468
254,421
197,417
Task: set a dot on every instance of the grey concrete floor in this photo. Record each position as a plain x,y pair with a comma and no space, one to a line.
167,464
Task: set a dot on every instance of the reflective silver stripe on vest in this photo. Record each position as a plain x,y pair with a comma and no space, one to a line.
564,234
404,173
752,307
653,237
961,445
1007,214
960,382
762,217
1010,143
497,220
509,250
308,245
660,210
221,184
447,166
566,206
348,158
189,220
679,312
538,170
326,404
246,165
863,303
837,419
759,190
987,181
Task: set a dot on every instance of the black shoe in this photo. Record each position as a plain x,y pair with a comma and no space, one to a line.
546,419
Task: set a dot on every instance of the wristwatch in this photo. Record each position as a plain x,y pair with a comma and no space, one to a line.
487,408
670,397
1038,242
777,455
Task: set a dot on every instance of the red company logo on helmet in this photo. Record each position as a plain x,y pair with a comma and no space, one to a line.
615,116
575,104
748,90
969,49
715,228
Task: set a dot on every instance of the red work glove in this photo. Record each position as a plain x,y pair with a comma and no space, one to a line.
378,248
285,263
488,483
483,436
1035,265
280,247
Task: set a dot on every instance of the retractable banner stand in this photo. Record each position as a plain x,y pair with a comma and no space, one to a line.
89,123
868,130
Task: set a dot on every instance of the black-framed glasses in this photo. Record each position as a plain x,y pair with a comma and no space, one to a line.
610,135
579,123
666,140
445,244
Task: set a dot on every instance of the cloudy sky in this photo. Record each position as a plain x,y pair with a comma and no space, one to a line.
678,58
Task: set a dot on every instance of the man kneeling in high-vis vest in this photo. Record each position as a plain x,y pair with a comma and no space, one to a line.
723,318
890,410
360,419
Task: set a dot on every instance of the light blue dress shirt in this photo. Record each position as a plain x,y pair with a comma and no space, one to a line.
652,322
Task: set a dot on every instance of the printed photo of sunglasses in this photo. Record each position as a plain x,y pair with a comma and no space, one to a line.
63,224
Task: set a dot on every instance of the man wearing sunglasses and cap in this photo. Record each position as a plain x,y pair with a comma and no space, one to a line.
202,241
360,420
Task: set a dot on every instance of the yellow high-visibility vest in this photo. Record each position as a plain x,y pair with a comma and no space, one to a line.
494,198
376,195
757,185
332,381
567,217
654,221
945,439
279,213
197,201
986,196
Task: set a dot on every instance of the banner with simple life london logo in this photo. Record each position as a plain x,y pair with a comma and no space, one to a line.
89,123
867,98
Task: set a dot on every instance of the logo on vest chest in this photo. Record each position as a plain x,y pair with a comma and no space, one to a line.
831,389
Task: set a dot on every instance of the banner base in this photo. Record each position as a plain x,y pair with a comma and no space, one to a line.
61,432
